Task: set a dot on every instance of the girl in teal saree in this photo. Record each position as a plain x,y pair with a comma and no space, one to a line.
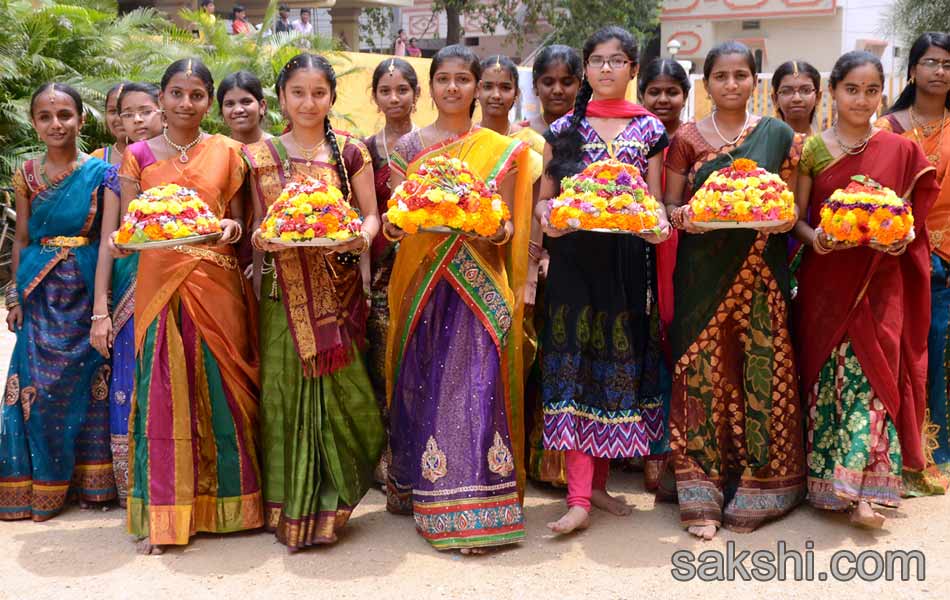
54,427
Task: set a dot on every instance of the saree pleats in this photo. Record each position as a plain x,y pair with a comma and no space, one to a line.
314,479
737,448
194,467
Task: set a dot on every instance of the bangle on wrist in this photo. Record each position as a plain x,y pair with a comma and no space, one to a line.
508,233
818,246
389,238
96,317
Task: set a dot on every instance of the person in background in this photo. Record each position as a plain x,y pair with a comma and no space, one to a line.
303,24
796,94
141,119
556,76
922,113
413,50
400,46
113,154
663,88
395,88
283,24
207,6
243,107
239,24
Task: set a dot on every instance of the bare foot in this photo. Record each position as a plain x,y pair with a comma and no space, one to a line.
865,516
474,551
703,532
144,546
575,518
615,506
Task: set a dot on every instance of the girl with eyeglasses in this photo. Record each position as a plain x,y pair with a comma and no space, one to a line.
602,380
115,333
922,114
796,94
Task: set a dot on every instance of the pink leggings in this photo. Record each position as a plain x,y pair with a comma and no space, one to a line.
585,473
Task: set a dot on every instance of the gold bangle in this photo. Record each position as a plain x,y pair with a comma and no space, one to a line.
388,237
505,238
819,247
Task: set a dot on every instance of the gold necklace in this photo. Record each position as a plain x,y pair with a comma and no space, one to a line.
934,156
851,149
308,154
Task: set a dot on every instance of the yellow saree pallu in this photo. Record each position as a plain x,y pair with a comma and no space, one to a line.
455,365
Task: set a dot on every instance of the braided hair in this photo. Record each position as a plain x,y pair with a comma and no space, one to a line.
322,65
567,155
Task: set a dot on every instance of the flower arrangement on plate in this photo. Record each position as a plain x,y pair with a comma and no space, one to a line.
310,212
444,195
742,195
608,196
167,215
866,213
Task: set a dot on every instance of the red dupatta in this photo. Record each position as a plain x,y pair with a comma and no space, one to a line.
880,302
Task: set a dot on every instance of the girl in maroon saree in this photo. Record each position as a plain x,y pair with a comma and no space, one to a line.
862,312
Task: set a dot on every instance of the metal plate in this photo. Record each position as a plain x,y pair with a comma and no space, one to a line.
710,225
185,241
314,243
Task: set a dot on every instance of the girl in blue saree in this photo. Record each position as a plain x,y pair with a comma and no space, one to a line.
141,119
54,425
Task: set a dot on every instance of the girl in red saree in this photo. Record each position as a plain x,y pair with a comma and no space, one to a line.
193,427
863,311
922,114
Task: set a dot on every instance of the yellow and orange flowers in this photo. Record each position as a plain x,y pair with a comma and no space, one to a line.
309,210
742,193
866,212
445,193
607,195
166,212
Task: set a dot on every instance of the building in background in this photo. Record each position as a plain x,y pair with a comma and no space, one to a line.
817,31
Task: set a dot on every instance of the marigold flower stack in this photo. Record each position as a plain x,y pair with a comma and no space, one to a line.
308,211
742,195
166,212
866,212
445,194
606,196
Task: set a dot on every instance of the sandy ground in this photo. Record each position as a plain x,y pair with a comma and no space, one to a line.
88,554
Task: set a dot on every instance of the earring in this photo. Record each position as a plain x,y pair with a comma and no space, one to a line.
911,81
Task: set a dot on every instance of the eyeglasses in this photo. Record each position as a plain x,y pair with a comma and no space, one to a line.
789,92
142,114
934,64
615,62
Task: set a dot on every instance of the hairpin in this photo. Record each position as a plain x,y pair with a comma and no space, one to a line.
52,93
794,67
498,62
392,66
118,92
188,69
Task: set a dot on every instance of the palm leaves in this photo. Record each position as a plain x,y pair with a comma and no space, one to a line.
87,45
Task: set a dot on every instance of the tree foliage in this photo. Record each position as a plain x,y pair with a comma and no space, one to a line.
909,18
559,21
88,46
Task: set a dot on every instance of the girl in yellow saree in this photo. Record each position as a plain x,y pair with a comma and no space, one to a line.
454,356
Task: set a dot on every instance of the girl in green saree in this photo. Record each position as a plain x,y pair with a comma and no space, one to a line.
735,417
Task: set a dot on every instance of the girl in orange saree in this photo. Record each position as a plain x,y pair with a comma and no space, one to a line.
862,317
922,113
193,426
454,356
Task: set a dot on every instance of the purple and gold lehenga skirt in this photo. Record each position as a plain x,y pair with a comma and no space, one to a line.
452,464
